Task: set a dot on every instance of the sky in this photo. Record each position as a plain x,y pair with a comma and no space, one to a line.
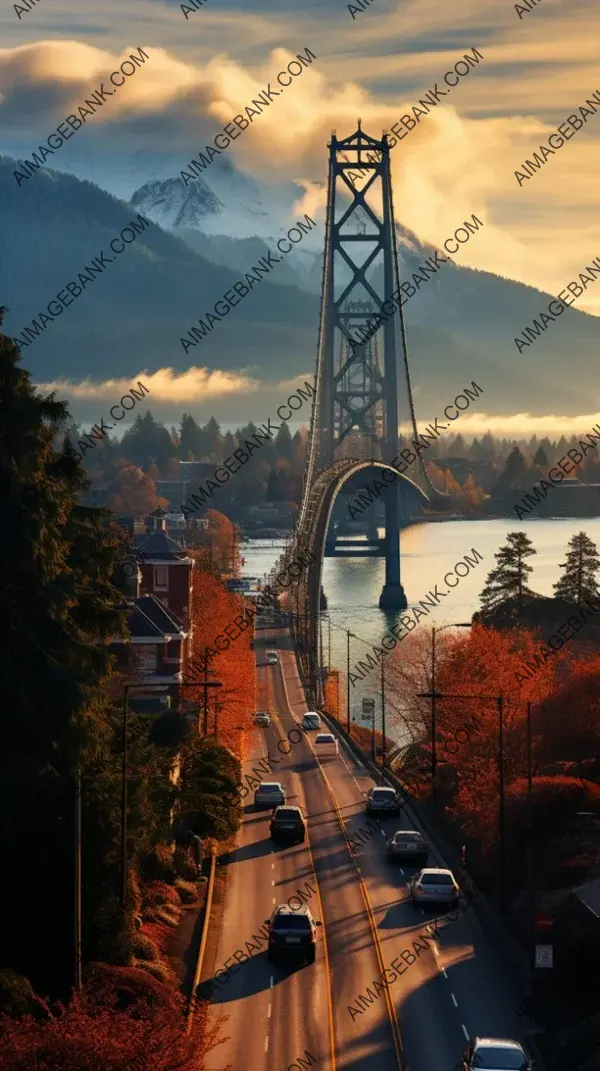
538,67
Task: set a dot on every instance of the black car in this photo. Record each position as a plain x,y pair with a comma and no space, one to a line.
287,823
292,932
407,844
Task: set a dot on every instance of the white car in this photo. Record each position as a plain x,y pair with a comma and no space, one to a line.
311,720
383,799
269,794
262,718
495,1054
326,744
434,885
272,657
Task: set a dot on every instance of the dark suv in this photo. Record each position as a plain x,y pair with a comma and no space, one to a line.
293,932
287,823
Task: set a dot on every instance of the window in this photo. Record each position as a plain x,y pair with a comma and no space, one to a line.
291,922
147,658
161,577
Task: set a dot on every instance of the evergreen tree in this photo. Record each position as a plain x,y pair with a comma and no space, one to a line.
509,579
57,605
540,457
516,472
189,438
283,443
458,447
578,581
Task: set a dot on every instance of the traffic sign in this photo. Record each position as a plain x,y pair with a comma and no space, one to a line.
368,709
544,956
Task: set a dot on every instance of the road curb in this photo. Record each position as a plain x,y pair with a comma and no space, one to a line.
192,1003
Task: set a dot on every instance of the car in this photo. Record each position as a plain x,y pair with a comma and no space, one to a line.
383,800
272,658
495,1054
407,844
326,744
287,823
311,720
262,718
269,794
292,932
434,885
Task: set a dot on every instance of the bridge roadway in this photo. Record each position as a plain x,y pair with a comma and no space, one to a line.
456,988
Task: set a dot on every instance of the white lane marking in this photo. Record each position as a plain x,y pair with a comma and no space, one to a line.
444,972
274,900
269,1012
267,1043
465,1032
454,1000
271,981
272,881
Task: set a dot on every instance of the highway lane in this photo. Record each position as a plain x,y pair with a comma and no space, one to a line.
352,952
450,988
276,1014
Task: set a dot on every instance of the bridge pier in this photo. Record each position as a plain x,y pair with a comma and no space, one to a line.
392,594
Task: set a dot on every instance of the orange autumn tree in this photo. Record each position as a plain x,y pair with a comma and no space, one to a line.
219,550
486,662
213,611
481,662
132,492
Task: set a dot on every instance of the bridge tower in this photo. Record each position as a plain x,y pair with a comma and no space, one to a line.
357,368
354,421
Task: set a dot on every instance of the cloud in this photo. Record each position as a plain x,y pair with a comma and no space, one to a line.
234,398
165,386
460,159
521,425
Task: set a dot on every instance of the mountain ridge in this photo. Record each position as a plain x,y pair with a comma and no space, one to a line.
460,326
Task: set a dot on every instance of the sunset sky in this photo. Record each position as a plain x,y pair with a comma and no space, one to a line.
536,70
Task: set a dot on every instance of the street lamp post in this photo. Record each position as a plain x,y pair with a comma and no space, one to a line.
383,755
126,688
348,635
499,701
434,632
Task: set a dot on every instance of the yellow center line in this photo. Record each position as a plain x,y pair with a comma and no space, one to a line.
279,728
388,999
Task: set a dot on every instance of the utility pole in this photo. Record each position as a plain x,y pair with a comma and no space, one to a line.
530,869
433,724
348,635
501,802
124,798
383,755
78,964
205,706
329,641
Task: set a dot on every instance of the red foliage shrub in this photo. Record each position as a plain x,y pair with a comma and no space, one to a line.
159,933
158,892
95,1030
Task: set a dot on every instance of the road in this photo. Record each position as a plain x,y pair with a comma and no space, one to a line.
447,988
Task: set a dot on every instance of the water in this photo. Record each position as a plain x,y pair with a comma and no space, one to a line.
429,552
